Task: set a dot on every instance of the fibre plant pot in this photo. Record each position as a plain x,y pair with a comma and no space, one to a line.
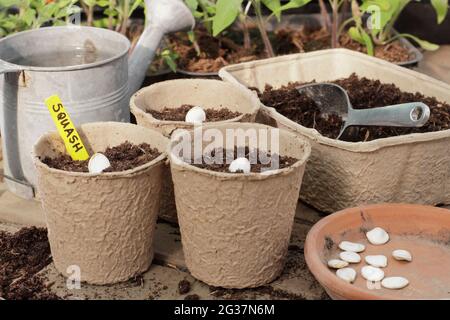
213,94
235,228
102,223
411,168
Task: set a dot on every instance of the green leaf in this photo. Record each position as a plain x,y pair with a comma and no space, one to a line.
9,3
354,33
192,4
89,3
29,17
441,8
103,3
136,4
292,4
169,59
226,13
422,43
382,9
274,6
110,12
368,43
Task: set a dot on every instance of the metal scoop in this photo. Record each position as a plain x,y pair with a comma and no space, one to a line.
333,99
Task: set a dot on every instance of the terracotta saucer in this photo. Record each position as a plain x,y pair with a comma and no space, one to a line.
422,230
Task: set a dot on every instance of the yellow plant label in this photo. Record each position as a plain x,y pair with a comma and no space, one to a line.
66,129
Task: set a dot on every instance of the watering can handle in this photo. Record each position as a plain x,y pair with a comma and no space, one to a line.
6,67
414,115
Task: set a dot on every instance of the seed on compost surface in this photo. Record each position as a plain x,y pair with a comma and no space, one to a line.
240,165
195,115
337,264
377,236
402,255
98,163
351,257
372,274
347,274
378,261
394,282
352,246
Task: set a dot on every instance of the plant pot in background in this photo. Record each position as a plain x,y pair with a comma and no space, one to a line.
102,223
419,19
312,22
315,21
198,92
410,168
236,228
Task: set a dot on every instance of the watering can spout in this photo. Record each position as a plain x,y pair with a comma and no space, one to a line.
163,17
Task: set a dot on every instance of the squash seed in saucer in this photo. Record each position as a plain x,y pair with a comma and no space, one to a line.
394,282
402,255
379,261
337,264
346,274
351,257
372,274
352,246
377,236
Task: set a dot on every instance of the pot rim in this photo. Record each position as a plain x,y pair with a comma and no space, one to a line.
313,134
176,161
104,175
74,67
135,109
328,279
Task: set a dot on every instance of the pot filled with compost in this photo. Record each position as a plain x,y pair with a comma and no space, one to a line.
236,189
101,212
376,163
182,104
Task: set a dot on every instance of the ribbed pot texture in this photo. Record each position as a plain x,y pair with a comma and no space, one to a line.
236,228
102,223
411,168
198,92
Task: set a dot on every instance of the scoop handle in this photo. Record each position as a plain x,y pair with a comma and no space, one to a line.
399,115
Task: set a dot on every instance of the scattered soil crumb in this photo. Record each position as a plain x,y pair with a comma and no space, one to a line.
123,157
192,297
208,160
22,256
329,243
184,287
239,294
364,93
179,114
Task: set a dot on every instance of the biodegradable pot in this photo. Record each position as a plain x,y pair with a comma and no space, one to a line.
205,93
103,223
411,168
235,228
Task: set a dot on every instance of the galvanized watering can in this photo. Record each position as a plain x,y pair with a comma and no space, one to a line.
87,67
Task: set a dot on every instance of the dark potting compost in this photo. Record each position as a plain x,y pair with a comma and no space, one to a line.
22,256
122,157
307,40
363,93
179,114
184,287
213,53
284,161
